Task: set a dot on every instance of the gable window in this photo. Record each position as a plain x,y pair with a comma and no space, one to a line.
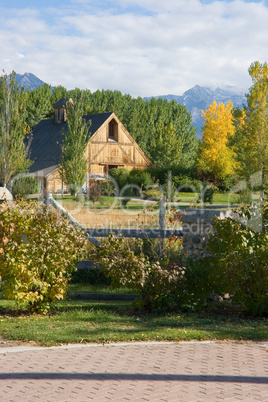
60,115
113,131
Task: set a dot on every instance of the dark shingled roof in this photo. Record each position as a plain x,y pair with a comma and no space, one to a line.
45,149
61,102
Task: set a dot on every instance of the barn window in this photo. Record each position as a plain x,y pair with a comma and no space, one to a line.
60,115
113,131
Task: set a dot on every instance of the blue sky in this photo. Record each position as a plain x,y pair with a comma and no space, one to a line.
141,47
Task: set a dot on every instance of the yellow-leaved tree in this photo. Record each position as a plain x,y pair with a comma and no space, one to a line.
216,157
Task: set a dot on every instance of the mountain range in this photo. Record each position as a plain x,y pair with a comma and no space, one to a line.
195,99
198,98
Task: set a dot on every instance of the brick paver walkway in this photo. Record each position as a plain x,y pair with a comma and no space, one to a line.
186,371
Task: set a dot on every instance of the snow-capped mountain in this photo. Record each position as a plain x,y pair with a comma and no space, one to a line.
198,98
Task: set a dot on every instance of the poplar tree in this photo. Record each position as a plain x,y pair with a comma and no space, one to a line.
255,129
166,146
38,104
216,156
13,129
73,165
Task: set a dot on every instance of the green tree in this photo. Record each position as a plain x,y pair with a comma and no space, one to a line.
145,127
73,165
13,129
38,104
166,147
254,131
182,120
86,96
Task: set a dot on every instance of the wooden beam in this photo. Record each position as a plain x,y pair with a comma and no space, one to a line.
95,156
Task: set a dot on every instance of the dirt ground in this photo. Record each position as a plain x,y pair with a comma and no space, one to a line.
6,343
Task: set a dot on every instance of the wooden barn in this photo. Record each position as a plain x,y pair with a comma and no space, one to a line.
110,146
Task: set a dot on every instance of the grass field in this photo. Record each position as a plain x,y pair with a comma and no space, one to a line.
105,216
109,213
77,321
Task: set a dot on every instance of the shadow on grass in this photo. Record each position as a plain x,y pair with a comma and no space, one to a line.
121,319
181,331
105,321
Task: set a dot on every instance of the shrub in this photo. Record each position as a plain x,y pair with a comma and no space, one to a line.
197,284
107,187
240,261
131,183
207,193
38,250
227,184
140,178
245,196
80,198
173,185
95,190
120,176
23,186
186,184
159,174
168,249
152,194
150,278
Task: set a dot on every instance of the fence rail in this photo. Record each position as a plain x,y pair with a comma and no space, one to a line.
135,233
93,233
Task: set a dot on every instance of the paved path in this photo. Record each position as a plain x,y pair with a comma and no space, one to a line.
185,371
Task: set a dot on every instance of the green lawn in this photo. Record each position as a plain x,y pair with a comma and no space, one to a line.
76,321
88,288
108,202
218,198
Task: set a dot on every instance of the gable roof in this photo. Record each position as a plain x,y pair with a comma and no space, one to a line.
97,121
45,149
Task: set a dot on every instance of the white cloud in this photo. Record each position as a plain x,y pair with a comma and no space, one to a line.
19,55
167,49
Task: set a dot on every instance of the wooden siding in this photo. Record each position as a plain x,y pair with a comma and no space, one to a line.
54,183
121,150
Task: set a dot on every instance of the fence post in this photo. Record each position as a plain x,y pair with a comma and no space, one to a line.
48,196
162,212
